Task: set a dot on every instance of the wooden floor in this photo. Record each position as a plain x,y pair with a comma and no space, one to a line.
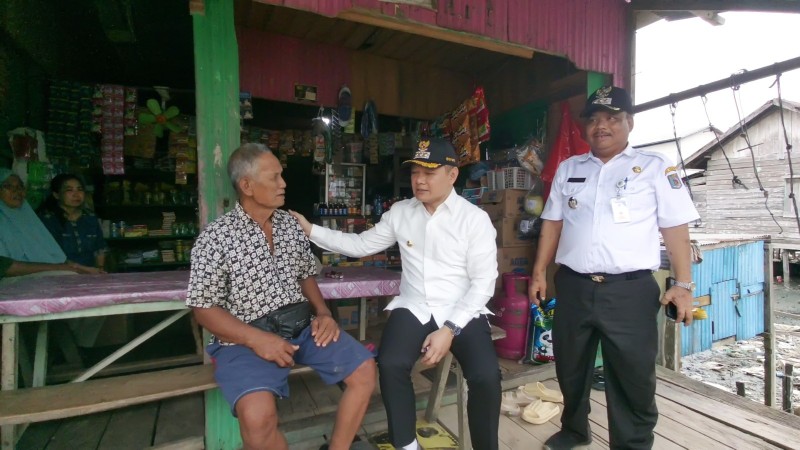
692,416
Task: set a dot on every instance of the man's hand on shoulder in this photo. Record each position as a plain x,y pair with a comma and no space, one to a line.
304,223
324,329
274,348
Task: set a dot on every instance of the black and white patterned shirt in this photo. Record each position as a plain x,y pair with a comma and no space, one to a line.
233,268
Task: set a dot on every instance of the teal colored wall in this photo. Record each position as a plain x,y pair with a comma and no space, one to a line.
514,127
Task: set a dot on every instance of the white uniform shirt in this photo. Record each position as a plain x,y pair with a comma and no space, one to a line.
592,241
449,257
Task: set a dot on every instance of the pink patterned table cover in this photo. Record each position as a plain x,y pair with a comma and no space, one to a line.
55,294
359,282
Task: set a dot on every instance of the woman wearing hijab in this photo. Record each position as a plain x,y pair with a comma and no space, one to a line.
26,247
23,237
75,228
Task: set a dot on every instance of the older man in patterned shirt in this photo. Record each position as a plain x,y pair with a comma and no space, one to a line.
246,265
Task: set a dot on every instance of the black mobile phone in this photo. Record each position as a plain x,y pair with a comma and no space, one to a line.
670,310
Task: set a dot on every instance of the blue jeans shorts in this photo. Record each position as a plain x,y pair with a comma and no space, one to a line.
239,371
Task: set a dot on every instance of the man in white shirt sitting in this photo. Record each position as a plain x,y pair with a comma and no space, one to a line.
449,259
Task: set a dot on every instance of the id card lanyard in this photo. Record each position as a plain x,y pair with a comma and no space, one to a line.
620,208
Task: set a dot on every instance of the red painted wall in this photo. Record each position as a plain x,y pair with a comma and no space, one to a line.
270,65
591,33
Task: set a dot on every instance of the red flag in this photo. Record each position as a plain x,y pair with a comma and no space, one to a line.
569,142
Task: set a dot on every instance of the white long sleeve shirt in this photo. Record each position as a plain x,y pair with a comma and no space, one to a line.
449,257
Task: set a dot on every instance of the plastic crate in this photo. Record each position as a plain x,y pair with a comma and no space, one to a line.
473,195
510,178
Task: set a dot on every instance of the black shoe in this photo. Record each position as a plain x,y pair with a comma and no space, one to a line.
565,440
598,380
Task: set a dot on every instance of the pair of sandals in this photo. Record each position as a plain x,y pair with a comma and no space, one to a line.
534,402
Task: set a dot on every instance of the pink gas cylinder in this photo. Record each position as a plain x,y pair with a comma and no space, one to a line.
512,314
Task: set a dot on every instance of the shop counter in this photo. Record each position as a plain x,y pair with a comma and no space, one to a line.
45,298
42,299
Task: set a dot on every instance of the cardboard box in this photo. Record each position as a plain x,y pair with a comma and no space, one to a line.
348,317
516,259
504,203
507,231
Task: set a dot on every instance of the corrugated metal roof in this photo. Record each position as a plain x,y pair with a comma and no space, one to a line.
592,34
704,239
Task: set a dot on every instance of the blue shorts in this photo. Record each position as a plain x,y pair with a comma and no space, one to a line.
239,371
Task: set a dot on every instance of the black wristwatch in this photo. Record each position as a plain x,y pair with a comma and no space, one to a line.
455,329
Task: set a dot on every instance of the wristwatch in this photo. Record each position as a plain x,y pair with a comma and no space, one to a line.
688,286
455,329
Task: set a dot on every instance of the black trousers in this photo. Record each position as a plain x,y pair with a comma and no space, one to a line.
621,315
400,348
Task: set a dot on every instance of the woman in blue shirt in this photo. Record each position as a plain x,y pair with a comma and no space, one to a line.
75,228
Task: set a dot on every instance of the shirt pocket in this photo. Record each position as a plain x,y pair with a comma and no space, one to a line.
641,200
574,191
450,249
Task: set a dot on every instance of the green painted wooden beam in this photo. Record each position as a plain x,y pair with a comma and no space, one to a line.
216,66
594,81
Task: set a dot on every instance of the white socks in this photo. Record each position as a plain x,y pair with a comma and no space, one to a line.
411,446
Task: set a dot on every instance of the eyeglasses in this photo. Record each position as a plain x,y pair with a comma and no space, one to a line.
13,187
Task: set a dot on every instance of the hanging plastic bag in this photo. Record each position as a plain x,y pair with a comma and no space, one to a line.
531,224
569,142
529,156
540,337
369,120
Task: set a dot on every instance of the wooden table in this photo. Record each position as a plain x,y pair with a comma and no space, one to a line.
46,298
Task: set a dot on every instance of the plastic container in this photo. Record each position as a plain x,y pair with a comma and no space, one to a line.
511,310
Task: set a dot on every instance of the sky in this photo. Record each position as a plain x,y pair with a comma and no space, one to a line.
675,56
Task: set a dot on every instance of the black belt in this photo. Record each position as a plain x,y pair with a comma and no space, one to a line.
610,277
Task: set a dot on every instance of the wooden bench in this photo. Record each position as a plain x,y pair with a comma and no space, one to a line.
76,399
28,405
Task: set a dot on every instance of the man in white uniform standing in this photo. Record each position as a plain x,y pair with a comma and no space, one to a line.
601,222
449,256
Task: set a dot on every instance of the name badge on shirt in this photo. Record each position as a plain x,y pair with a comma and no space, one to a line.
620,210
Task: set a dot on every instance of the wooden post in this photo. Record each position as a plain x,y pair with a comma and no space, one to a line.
8,378
740,389
786,267
216,68
672,346
788,386
769,331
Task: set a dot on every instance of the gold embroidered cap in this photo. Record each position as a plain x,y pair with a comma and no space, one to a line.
434,152
610,98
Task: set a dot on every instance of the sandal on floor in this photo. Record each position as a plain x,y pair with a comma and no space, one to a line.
519,397
543,392
510,408
540,412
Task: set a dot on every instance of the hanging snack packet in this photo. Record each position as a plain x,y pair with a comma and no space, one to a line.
482,114
528,156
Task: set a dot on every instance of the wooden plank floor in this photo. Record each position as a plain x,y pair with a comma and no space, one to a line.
692,416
